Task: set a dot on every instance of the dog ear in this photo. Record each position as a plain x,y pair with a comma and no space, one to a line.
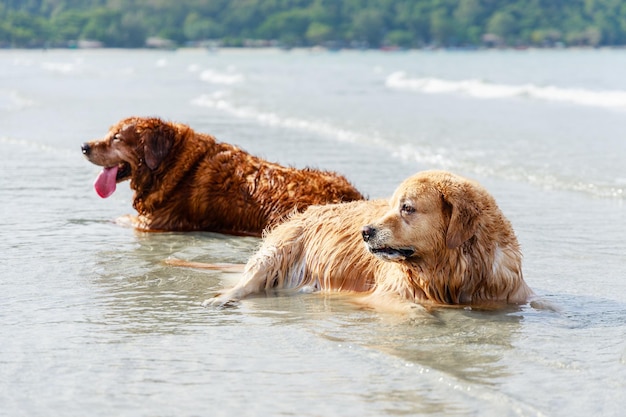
464,214
157,143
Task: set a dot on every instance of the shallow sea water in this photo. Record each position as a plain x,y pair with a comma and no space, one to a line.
93,322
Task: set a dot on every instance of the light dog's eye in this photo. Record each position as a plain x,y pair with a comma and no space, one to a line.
407,209
117,138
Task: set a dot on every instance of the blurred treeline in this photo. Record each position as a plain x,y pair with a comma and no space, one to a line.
340,23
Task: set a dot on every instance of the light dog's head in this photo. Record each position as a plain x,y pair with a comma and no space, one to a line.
429,212
132,146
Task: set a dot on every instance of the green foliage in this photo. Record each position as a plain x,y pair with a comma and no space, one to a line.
318,33
369,26
404,23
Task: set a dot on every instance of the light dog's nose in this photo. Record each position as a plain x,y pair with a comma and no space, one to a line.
86,148
368,232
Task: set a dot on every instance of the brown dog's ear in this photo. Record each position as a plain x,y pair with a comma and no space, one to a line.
464,214
157,142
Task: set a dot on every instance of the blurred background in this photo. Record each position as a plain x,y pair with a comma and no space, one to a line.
527,97
298,23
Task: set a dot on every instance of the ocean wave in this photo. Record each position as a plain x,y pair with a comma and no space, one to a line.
425,155
40,147
510,172
217,101
65,68
219,77
13,101
613,99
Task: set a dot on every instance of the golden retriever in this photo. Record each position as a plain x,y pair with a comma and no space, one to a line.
440,240
186,181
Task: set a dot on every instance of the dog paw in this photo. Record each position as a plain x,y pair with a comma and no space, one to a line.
308,289
220,301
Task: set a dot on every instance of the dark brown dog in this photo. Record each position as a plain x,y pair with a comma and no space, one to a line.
185,181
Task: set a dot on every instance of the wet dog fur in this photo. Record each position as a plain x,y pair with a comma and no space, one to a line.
188,181
441,240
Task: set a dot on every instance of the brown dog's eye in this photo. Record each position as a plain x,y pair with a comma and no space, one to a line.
117,138
407,209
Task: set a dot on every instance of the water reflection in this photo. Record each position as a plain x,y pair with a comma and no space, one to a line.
465,344
469,350
468,345
140,294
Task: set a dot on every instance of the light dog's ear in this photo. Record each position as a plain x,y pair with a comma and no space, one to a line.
157,142
464,214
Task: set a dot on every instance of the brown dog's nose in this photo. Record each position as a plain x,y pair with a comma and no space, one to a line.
368,232
86,148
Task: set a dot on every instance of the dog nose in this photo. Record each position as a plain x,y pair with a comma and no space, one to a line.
85,148
368,232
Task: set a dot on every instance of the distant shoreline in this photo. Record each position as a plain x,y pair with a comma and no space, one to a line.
320,49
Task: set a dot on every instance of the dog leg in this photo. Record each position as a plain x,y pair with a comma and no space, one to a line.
128,220
222,267
260,272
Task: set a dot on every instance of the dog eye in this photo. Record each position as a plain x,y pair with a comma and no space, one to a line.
117,138
407,209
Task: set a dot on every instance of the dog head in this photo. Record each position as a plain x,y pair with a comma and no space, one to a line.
429,212
131,146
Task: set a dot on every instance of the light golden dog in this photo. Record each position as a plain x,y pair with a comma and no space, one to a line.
185,181
440,240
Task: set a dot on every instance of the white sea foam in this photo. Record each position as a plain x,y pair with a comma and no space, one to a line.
422,154
13,100
614,99
220,77
37,146
464,162
22,62
193,68
65,68
218,101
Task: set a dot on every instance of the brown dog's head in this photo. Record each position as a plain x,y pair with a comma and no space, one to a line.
131,146
429,212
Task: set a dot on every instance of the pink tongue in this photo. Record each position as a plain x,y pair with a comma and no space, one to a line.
105,183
